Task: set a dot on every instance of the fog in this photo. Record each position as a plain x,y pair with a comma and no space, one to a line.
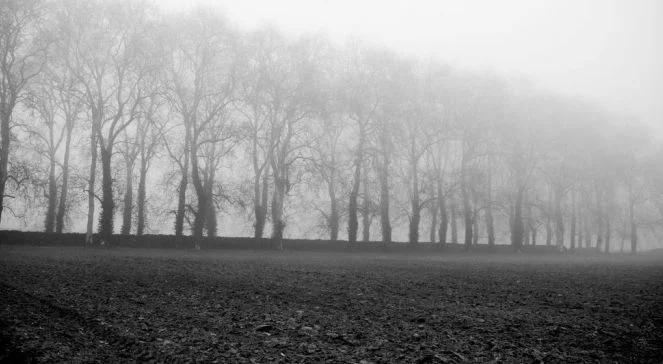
608,51
471,123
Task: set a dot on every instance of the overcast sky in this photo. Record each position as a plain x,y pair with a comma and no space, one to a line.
610,51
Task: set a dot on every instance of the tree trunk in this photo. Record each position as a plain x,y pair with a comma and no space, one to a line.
415,206
127,210
580,228
517,226
526,231
333,213
107,203
203,213
444,217
384,203
623,236
181,191
52,198
200,217
260,203
559,218
142,197
534,233
353,223
366,211
490,225
210,218
261,216
278,225
62,207
634,238
467,214
549,234
607,234
588,232
454,224
634,228
599,220
433,222
181,202
91,185
6,108
599,234
475,227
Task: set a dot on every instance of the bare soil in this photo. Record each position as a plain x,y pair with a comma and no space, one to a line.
71,304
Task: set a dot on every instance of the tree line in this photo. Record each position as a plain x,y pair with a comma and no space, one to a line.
100,100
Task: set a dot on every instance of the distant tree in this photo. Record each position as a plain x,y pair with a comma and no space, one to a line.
258,52
129,151
473,104
291,96
392,72
326,162
149,141
201,82
518,144
422,130
360,98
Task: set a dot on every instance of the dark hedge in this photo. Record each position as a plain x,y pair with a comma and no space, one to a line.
12,237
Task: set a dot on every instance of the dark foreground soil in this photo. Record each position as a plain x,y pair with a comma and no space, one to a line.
64,304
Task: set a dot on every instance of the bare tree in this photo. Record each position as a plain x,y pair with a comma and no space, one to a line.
110,64
129,151
473,104
22,57
361,98
48,134
201,83
68,102
422,131
392,74
149,140
519,150
290,95
325,159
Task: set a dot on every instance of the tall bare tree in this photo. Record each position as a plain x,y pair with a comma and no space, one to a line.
23,51
290,95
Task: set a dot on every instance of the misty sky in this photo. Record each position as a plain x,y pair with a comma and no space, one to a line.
610,51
